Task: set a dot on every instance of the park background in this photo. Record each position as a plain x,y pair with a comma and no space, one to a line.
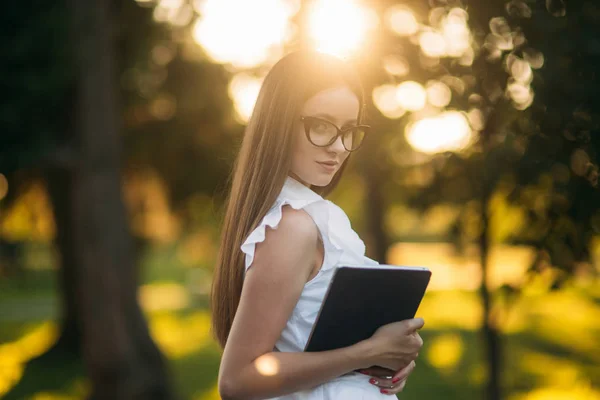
120,121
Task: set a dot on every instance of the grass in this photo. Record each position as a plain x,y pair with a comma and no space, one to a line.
550,341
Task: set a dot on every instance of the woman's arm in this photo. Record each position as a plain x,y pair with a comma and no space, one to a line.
279,373
250,369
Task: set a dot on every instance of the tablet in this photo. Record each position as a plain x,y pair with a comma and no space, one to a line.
360,299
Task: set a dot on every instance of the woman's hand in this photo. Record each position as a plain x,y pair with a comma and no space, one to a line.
377,372
394,346
389,381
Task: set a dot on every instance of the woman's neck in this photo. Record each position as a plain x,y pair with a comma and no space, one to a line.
291,174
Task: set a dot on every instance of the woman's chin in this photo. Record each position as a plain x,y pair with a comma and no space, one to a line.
323,180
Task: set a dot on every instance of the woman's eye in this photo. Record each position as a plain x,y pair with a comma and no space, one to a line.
320,127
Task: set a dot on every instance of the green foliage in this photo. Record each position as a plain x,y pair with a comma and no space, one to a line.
565,142
548,152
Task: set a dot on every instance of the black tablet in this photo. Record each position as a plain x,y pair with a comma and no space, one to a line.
360,299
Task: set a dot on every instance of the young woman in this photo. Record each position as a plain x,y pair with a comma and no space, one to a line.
281,241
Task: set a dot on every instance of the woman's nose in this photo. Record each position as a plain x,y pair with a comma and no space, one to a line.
338,145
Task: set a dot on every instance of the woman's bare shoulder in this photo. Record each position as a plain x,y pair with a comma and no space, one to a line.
295,229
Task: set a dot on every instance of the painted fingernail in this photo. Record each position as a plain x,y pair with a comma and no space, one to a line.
363,372
395,380
384,391
373,381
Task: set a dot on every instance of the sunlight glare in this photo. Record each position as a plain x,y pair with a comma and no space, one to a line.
243,33
243,90
448,131
340,27
267,365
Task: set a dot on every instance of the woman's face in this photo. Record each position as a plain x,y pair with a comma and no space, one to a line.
339,106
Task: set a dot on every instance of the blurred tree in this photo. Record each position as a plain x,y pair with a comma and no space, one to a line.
73,143
122,360
565,143
37,77
542,159
174,104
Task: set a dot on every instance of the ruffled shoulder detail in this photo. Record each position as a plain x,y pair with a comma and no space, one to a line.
316,207
369,261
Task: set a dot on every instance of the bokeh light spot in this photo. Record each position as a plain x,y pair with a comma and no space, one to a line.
448,131
438,93
385,100
411,95
163,107
432,44
401,20
445,351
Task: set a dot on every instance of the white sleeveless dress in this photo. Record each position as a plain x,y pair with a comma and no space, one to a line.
342,247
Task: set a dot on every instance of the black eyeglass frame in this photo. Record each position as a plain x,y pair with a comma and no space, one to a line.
340,132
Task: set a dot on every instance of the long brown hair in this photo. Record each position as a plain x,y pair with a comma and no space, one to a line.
263,163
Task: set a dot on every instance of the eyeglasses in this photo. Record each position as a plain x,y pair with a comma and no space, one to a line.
323,133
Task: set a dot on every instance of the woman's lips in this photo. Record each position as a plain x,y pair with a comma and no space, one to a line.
328,166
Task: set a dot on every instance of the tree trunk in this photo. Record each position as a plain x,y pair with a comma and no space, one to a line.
120,357
490,332
377,238
59,179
